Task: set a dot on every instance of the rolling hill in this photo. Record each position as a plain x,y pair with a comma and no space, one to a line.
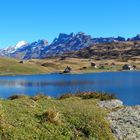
9,66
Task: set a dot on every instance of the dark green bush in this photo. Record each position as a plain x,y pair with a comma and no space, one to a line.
90,95
96,95
68,95
16,96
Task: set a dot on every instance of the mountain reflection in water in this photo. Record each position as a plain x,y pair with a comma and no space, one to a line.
25,83
124,84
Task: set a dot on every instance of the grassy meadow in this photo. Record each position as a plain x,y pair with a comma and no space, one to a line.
10,66
43,118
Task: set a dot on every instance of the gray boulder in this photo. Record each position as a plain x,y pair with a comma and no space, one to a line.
111,104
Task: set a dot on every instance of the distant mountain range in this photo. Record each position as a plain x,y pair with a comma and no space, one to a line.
65,43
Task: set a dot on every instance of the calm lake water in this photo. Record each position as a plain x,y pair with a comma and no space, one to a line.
126,85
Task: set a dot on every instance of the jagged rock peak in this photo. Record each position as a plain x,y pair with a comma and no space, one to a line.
136,38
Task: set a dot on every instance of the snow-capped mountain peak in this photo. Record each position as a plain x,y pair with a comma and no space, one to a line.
9,50
20,44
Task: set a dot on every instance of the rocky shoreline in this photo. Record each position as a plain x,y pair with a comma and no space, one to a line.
124,120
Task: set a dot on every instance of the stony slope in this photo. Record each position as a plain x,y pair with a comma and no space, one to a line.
115,50
124,120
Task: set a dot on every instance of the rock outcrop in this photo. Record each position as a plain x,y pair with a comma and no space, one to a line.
115,50
125,123
111,104
124,120
136,38
108,40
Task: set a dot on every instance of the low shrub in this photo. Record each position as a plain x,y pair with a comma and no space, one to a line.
68,95
51,116
90,95
16,96
96,95
38,97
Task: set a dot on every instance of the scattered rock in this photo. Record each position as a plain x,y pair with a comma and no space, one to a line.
112,64
125,123
83,68
106,64
111,104
21,62
49,64
93,64
63,58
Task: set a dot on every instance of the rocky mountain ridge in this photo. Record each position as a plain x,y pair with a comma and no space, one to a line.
114,50
65,43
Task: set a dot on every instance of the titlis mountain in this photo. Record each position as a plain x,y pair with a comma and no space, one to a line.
75,45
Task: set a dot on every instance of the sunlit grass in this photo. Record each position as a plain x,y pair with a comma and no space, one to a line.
52,119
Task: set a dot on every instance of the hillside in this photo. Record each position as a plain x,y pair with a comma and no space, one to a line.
128,50
9,66
44,118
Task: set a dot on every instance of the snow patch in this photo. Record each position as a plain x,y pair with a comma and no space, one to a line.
20,44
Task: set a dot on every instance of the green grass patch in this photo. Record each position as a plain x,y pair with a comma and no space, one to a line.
9,66
52,119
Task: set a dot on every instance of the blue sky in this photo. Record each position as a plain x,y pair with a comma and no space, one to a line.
31,20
